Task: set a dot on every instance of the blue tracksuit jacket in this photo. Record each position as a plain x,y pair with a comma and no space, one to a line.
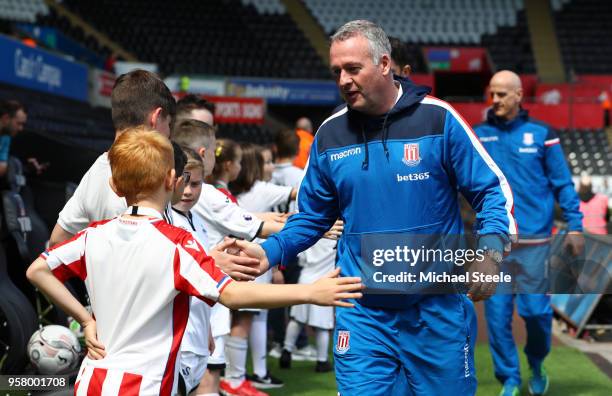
398,173
530,155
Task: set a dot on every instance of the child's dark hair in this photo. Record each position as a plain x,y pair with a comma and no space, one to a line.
180,159
225,150
287,143
251,170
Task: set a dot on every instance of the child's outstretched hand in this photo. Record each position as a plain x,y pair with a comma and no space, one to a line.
237,264
335,232
331,290
95,350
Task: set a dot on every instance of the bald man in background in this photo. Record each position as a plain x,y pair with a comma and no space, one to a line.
303,128
529,154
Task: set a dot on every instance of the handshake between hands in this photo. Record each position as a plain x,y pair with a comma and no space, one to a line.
244,261
241,260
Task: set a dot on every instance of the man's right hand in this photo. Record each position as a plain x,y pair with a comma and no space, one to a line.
251,249
230,256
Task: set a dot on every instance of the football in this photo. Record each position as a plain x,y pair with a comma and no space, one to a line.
54,350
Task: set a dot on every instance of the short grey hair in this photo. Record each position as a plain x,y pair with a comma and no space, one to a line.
376,36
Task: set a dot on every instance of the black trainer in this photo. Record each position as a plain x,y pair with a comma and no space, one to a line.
324,367
267,382
285,359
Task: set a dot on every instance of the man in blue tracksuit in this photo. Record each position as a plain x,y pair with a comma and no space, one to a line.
529,154
389,162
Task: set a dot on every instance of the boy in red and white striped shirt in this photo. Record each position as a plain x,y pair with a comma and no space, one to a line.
140,271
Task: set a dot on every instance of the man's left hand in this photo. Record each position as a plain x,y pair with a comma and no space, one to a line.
574,243
479,291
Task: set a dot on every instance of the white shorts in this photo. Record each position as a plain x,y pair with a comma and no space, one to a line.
219,320
262,316
313,315
192,369
218,356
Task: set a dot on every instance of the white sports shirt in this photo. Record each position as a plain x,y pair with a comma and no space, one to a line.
139,275
264,196
93,200
286,174
196,334
222,217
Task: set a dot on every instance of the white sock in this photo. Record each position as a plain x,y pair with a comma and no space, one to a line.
235,356
257,341
322,337
291,334
207,394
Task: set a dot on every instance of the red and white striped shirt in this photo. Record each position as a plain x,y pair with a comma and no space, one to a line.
139,275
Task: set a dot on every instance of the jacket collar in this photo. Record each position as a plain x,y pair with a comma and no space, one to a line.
521,118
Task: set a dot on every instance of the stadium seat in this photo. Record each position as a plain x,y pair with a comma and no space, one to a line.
22,10
246,133
500,25
587,150
583,28
64,120
447,20
212,37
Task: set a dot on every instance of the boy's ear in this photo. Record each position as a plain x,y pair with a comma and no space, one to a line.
201,151
170,180
154,117
114,188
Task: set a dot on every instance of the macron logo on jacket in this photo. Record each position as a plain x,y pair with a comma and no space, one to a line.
345,153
